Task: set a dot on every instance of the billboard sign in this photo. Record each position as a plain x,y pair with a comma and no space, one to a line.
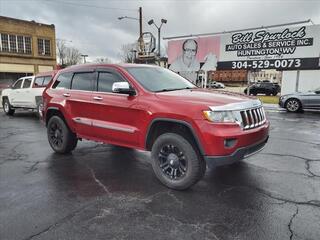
289,48
280,48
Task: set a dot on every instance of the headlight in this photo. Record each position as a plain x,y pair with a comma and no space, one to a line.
220,116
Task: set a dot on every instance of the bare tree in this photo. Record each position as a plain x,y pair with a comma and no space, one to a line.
61,51
127,53
73,56
67,55
103,60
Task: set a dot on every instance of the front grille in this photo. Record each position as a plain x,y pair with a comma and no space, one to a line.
252,118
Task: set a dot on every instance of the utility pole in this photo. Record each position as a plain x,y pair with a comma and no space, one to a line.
159,43
140,21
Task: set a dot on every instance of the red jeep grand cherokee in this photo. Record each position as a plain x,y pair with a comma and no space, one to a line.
151,108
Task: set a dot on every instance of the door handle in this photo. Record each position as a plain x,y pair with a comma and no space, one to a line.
98,98
66,94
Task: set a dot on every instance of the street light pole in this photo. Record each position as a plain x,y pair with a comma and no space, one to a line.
84,57
159,31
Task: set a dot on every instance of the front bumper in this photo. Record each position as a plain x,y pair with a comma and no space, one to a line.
282,102
239,154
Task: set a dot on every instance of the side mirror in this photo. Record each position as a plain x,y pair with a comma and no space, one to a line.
123,87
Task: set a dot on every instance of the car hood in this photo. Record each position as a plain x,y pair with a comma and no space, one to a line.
203,97
298,94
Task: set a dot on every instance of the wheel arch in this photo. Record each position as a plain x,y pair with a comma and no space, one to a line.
4,97
55,111
160,126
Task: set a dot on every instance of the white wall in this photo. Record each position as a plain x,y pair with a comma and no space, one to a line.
308,80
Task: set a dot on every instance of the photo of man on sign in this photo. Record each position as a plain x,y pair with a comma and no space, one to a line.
187,62
186,57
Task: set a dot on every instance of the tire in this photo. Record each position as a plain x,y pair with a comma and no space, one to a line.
60,137
275,93
175,162
7,107
39,109
293,105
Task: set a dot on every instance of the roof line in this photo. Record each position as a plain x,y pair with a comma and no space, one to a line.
239,30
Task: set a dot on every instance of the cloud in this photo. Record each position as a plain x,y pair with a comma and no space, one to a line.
96,31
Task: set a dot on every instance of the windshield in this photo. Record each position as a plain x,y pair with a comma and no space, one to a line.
157,79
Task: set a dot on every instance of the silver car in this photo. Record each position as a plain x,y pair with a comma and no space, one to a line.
298,101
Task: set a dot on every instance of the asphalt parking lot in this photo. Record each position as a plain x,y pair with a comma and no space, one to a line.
106,192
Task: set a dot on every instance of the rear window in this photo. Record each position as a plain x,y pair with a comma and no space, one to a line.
38,81
42,81
63,81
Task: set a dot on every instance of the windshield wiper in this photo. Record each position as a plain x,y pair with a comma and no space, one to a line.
173,89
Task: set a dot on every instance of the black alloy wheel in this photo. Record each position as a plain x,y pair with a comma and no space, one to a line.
172,162
55,133
60,137
176,162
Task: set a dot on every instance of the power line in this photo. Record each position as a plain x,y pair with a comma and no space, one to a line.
91,6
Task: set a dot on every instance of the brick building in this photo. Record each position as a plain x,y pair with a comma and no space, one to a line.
26,48
231,77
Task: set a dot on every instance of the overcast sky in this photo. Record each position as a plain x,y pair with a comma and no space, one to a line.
95,30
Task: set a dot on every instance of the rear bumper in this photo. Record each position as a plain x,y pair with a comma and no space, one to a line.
239,154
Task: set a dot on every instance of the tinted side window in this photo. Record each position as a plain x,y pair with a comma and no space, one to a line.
27,83
17,84
46,80
63,81
106,80
82,81
38,81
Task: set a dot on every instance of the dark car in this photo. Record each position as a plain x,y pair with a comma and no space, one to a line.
266,88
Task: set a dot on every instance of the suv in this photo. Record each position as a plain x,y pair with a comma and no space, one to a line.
26,93
267,88
154,109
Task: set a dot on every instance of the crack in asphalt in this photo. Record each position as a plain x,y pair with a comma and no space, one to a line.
291,221
288,155
306,161
314,203
14,155
197,226
295,140
59,222
98,181
146,200
32,167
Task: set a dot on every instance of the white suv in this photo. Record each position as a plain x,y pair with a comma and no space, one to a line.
26,93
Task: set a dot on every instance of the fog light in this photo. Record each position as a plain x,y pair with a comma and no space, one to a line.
230,142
